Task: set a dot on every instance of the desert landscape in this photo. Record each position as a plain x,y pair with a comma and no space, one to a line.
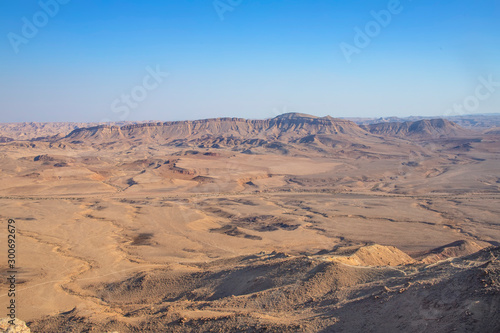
295,223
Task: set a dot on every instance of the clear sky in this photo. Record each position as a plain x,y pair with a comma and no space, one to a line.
94,60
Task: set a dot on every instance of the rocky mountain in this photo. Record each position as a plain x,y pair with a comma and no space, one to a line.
216,132
427,128
286,128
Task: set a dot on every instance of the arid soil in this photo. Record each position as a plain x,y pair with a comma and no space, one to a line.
291,224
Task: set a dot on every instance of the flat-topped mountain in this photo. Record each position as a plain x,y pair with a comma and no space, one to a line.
285,127
290,127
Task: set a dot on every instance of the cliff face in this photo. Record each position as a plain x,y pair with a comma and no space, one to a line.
101,132
286,127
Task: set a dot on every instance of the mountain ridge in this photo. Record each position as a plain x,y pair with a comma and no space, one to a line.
286,128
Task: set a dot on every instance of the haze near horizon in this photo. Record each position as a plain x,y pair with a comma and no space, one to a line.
95,61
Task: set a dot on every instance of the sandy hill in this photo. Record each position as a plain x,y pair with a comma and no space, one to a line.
456,249
373,255
427,128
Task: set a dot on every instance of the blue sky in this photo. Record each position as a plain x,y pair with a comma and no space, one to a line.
92,60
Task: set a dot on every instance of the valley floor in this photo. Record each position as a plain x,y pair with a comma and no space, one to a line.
395,237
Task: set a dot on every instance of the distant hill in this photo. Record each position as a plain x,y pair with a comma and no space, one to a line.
478,122
427,128
33,130
493,131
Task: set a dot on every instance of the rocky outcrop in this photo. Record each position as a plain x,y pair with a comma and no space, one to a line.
18,327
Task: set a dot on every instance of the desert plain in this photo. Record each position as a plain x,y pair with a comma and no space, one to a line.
291,224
